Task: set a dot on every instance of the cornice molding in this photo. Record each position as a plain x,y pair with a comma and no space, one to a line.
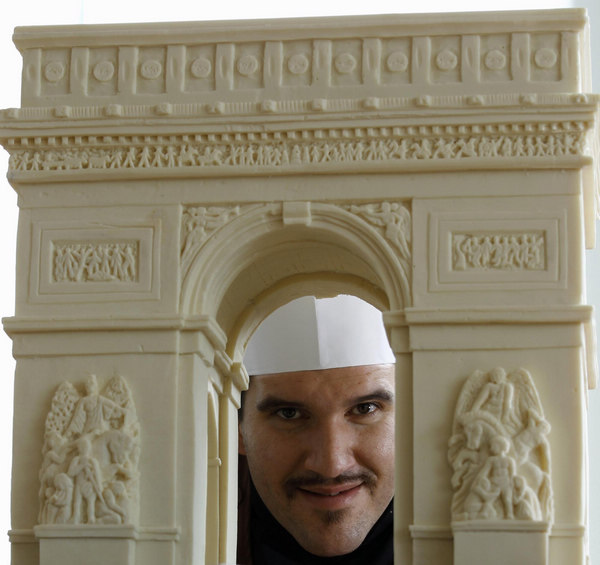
319,57
274,110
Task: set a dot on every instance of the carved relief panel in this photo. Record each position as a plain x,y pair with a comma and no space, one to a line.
77,262
89,473
499,452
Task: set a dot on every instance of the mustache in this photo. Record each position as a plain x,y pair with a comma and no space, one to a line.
312,479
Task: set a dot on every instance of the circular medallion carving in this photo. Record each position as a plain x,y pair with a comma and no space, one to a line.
247,65
298,64
151,69
54,71
397,62
345,63
103,71
200,67
446,60
545,58
495,60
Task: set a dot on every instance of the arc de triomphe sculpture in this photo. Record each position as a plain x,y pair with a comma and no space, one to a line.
178,182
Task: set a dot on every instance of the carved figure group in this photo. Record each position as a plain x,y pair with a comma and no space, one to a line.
525,251
277,152
498,451
198,223
95,262
90,456
393,218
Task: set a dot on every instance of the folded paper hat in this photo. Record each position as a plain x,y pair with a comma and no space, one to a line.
318,333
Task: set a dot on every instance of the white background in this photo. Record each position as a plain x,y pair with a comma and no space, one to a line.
49,12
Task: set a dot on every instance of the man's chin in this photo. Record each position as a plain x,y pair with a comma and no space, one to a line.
334,517
336,535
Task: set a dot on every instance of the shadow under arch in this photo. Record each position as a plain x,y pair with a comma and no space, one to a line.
266,256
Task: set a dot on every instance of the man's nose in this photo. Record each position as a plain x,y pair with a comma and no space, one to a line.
331,449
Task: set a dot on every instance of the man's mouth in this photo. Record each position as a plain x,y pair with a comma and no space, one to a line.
331,491
330,498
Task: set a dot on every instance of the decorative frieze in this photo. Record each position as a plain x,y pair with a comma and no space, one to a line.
76,261
497,250
293,148
89,472
501,249
80,262
499,451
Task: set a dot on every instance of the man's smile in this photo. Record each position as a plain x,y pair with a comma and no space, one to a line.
335,497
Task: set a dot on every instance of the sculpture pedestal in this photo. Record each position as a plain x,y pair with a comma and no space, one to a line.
500,542
86,545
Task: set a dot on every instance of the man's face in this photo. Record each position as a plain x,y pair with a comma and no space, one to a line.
320,448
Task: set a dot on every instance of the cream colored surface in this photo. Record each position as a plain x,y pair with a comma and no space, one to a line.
236,166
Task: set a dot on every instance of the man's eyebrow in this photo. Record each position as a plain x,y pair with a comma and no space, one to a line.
270,403
381,394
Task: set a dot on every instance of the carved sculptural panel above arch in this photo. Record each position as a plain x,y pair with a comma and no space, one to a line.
284,249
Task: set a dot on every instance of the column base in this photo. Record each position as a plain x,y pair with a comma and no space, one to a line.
86,544
502,542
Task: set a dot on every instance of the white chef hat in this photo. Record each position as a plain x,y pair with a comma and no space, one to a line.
318,333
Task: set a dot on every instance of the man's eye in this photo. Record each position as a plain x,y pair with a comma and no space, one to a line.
365,408
288,413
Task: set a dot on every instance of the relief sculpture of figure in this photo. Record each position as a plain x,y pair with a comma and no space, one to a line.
93,411
60,502
499,450
500,469
393,217
85,470
90,456
109,510
526,504
469,454
55,457
480,501
496,396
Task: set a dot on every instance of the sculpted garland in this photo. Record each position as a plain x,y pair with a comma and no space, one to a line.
321,147
89,472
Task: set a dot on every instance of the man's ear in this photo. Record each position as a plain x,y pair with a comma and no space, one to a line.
241,446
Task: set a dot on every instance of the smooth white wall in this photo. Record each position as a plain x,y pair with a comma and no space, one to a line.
44,12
